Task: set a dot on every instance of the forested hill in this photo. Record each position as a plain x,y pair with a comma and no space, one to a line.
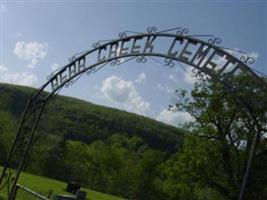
74,119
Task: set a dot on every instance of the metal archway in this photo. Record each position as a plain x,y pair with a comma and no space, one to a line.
172,47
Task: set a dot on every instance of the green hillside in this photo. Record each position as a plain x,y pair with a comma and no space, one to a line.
43,185
75,119
104,149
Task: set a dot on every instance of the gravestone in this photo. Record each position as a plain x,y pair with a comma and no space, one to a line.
81,195
73,187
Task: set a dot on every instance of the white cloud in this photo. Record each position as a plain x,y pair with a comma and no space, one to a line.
18,35
173,78
24,78
254,55
30,51
165,88
55,66
4,68
174,118
188,76
141,78
124,93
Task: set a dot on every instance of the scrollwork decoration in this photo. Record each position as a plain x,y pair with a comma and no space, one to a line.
69,83
96,44
115,62
169,63
72,58
141,59
122,34
49,77
215,40
182,31
91,70
247,59
198,74
151,29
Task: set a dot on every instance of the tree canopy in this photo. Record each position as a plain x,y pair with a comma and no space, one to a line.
216,149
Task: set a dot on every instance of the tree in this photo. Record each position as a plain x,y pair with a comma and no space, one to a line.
6,130
54,165
216,150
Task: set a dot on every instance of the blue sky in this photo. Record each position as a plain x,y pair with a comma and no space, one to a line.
38,36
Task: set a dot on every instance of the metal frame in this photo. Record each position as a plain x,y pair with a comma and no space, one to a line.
35,195
26,131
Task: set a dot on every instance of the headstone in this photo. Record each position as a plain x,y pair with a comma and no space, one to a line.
73,187
81,195
64,197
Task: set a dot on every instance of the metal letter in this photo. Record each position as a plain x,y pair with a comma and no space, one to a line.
54,84
99,59
228,62
136,48
149,44
72,70
173,54
63,78
112,51
200,54
210,65
236,68
124,50
81,64
185,53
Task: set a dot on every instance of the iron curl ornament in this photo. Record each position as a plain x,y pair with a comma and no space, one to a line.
115,62
69,83
169,62
247,59
122,34
151,29
198,74
182,31
96,45
72,58
90,71
215,40
141,59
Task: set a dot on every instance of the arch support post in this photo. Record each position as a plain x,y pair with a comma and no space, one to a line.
252,154
21,145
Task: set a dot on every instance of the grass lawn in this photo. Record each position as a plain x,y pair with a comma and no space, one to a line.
43,185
